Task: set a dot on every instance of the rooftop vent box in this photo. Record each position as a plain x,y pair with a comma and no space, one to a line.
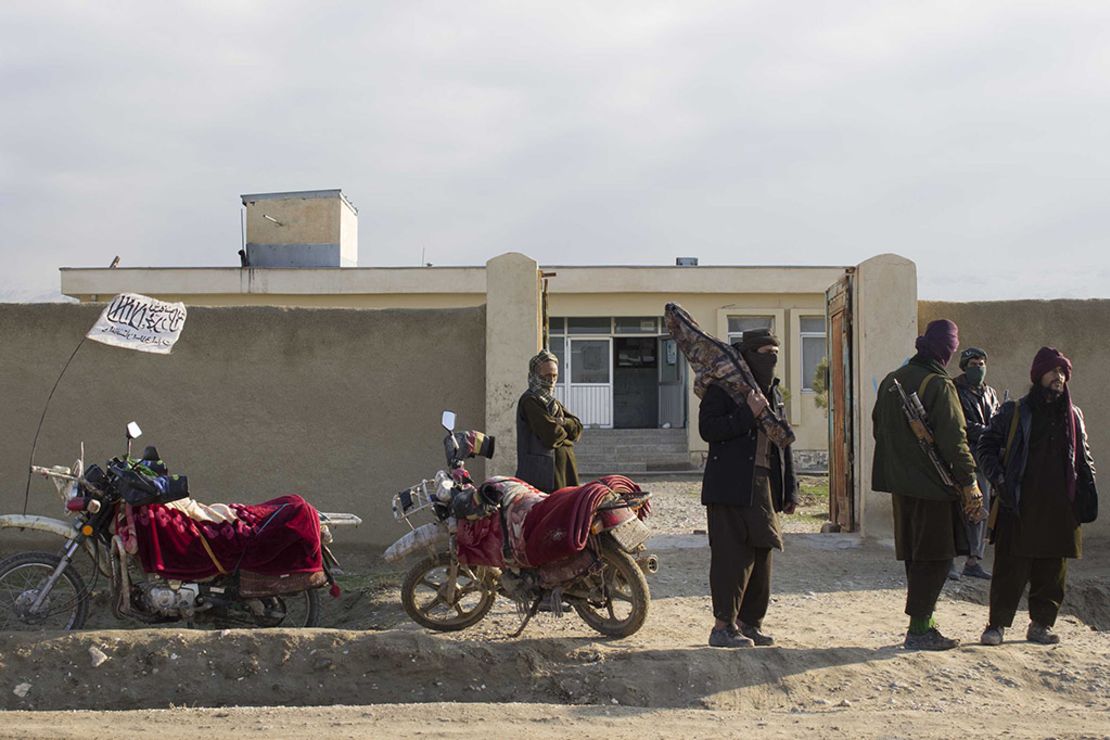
686,261
308,228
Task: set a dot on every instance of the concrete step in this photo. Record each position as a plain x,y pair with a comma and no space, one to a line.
633,470
623,468
677,458
637,434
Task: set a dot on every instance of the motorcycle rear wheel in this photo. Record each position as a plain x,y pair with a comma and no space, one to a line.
299,609
624,584
21,577
302,609
425,597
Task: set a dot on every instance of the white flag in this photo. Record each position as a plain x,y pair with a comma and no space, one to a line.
134,321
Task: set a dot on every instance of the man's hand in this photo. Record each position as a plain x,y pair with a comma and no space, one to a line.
757,403
972,499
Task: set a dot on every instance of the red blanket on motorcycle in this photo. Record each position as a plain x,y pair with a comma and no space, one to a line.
541,531
274,538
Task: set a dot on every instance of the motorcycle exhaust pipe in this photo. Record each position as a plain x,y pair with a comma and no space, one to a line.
648,563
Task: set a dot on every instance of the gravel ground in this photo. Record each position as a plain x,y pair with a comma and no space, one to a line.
677,509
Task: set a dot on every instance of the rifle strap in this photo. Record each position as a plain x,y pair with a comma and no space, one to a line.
1011,434
924,385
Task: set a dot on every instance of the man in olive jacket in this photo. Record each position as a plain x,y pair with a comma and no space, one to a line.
747,481
929,529
545,430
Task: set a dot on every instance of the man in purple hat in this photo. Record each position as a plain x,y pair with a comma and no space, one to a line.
1036,456
929,515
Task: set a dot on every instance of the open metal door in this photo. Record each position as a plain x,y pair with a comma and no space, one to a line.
672,385
842,500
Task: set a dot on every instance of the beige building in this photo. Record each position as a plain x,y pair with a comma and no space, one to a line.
620,371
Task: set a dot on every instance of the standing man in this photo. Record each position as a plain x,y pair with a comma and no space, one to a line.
980,403
545,430
929,526
747,480
1036,456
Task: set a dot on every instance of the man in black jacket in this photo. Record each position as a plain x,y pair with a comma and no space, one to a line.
1037,458
747,481
980,403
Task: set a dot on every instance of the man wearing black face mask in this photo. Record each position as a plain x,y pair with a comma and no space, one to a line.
980,402
747,481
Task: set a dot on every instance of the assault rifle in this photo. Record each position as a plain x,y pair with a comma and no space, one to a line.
919,423
918,420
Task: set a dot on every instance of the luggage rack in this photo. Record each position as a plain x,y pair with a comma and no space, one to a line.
336,519
413,500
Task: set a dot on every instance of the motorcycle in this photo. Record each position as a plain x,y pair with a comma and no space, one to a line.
115,512
582,547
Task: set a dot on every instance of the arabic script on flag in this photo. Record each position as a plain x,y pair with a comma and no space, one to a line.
138,322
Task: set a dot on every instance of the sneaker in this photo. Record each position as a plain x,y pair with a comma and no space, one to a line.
1041,634
931,640
977,571
753,634
953,573
723,638
992,636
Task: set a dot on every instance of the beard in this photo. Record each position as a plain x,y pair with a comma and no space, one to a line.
1046,394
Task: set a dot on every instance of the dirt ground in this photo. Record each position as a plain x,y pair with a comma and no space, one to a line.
837,670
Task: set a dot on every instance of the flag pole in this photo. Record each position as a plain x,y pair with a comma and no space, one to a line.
35,442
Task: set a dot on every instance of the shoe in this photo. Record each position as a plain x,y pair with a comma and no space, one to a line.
992,636
931,640
753,634
976,571
723,638
953,573
1041,634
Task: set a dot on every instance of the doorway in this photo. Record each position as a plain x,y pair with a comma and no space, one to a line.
635,383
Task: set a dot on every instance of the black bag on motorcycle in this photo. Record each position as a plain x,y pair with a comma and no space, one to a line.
138,489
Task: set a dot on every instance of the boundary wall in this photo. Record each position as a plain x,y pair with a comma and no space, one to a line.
1012,331
341,406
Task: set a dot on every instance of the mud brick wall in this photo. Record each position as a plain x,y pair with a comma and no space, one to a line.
1012,331
339,405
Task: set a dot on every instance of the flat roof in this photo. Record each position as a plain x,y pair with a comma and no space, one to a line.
302,194
581,279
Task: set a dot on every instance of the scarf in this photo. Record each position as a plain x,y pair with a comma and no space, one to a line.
537,386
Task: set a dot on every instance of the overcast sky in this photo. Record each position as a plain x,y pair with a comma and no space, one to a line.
971,137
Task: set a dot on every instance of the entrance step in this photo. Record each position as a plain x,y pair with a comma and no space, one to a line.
601,451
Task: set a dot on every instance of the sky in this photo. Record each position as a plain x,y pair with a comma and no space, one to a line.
970,137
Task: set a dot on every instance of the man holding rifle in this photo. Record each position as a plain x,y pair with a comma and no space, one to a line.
922,459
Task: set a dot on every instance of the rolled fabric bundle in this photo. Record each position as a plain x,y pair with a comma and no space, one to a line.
718,362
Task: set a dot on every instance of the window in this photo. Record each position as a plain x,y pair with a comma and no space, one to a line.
813,348
556,325
636,325
590,326
737,325
589,361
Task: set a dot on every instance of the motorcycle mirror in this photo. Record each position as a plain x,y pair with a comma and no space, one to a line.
133,431
448,421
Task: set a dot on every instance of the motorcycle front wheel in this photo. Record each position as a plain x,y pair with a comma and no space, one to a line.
22,578
619,598
442,594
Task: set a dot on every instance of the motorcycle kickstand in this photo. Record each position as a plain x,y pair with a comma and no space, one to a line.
528,617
